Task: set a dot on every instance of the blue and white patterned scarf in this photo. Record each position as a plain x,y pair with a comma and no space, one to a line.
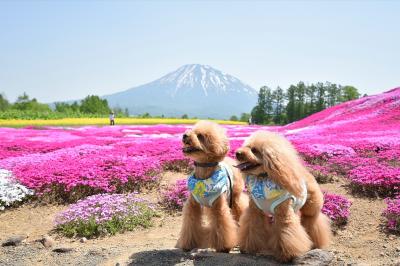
206,191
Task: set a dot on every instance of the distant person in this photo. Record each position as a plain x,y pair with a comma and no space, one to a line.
250,120
112,118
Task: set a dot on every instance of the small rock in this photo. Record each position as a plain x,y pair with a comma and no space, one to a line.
83,240
382,254
94,253
47,241
315,257
14,241
398,249
117,264
385,246
339,259
63,250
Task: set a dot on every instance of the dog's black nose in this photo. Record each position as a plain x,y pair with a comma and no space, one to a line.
184,137
239,155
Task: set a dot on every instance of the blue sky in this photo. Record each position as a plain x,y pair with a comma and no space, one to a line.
66,50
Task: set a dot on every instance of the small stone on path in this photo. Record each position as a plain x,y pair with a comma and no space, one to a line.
47,241
14,241
63,250
315,257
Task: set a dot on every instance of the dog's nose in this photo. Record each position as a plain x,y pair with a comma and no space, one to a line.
239,155
185,137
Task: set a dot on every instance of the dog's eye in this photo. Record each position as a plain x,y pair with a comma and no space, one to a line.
254,150
200,137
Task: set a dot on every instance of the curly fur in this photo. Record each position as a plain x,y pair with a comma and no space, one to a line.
291,234
207,142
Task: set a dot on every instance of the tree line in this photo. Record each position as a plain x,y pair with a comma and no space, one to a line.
298,101
273,106
30,108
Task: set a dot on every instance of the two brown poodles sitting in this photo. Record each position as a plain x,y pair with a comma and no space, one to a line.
282,214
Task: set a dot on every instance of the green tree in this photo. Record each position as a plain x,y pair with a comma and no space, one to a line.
350,93
311,99
145,115
75,107
333,96
258,115
24,103
291,103
185,116
93,104
234,118
269,105
263,112
278,97
320,103
299,106
63,107
244,117
4,104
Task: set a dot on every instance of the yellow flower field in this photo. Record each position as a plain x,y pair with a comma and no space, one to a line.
104,121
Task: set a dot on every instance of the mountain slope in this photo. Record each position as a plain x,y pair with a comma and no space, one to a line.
196,90
366,112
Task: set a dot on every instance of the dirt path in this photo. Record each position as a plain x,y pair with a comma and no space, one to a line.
361,241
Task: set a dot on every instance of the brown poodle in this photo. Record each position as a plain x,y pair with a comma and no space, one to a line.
216,191
280,186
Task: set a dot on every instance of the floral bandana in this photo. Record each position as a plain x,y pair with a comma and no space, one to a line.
267,195
206,191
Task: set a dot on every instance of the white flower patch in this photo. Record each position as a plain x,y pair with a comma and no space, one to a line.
10,190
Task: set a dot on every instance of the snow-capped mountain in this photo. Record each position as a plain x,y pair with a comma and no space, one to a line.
196,90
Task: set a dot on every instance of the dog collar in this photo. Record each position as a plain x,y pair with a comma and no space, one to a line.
205,164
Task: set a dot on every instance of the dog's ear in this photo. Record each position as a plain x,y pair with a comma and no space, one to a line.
219,146
282,170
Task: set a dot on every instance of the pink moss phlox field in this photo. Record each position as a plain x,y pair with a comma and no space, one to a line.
103,159
392,214
337,208
359,140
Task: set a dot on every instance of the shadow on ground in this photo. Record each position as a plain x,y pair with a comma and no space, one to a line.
177,257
